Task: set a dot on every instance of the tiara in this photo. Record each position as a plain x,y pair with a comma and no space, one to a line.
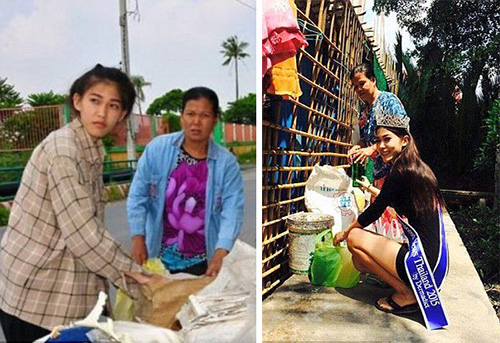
385,117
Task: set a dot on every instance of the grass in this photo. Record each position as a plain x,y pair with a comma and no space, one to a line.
247,157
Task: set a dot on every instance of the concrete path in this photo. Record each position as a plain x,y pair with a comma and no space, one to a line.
300,312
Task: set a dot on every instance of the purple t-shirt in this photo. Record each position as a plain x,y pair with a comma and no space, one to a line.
184,212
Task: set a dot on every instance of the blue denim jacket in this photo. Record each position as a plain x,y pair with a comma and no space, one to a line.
224,196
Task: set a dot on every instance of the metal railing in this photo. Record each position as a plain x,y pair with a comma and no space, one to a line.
114,172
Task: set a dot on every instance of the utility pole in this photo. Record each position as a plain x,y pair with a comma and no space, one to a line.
126,69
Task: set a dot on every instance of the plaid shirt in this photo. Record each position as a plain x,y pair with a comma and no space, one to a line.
56,254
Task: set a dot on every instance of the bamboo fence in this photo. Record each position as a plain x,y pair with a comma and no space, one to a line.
315,128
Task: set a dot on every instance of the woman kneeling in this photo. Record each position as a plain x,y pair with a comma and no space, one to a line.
412,189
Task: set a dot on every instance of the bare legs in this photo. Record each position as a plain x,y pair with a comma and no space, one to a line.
372,253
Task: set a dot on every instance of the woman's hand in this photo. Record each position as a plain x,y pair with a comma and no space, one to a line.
364,182
138,249
216,262
340,237
361,154
351,152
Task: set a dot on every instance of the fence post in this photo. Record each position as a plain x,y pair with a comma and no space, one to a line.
153,126
218,132
66,114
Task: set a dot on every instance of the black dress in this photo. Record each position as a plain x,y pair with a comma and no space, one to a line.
395,193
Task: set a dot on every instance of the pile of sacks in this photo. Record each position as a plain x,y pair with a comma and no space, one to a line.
179,308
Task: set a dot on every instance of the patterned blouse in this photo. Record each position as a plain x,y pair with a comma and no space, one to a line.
183,243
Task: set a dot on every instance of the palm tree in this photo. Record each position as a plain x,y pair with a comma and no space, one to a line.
139,83
233,50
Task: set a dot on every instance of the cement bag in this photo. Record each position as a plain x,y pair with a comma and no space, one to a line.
160,300
329,191
332,266
124,305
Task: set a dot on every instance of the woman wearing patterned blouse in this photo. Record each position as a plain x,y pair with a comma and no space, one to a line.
363,80
186,200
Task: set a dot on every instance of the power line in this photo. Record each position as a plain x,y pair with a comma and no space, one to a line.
244,4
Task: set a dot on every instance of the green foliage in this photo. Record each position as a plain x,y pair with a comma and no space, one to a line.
4,216
108,141
13,160
114,194
139,83
479,228
15,130
456,46
174,121
9,98
242,111
45,99
247,157
486,155
169,102
233,50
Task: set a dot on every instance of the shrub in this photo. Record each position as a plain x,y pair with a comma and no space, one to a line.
4,215
479,227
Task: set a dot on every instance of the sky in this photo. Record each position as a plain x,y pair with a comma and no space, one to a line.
46,44
391,28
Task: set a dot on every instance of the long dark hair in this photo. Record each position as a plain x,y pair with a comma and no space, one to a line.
104,74
422,183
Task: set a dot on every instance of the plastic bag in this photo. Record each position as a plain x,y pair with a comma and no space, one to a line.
329,190
124,305
332,266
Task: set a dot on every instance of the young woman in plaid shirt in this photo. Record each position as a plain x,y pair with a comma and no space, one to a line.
56,254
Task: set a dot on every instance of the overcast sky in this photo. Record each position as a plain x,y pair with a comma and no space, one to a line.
46,44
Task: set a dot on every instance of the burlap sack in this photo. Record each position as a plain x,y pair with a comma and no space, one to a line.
160,300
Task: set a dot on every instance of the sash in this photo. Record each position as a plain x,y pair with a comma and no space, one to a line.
425,282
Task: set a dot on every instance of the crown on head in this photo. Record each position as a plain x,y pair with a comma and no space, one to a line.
385,117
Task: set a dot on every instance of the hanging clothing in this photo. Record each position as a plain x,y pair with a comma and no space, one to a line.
280,42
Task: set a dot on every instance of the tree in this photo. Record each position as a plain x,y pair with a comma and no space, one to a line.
168,102
489,152
234,50
9,98
457,47
173,120
242,111
139,83
45,99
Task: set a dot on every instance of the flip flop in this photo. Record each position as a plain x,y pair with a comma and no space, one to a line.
397,309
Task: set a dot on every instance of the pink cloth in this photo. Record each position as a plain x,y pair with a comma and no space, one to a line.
281,37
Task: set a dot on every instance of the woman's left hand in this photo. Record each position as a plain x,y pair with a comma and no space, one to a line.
340,237
360,155
216,262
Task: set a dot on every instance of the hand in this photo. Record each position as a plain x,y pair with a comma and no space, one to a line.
364,182
340,237
216,262
351,152
361,154
138,249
